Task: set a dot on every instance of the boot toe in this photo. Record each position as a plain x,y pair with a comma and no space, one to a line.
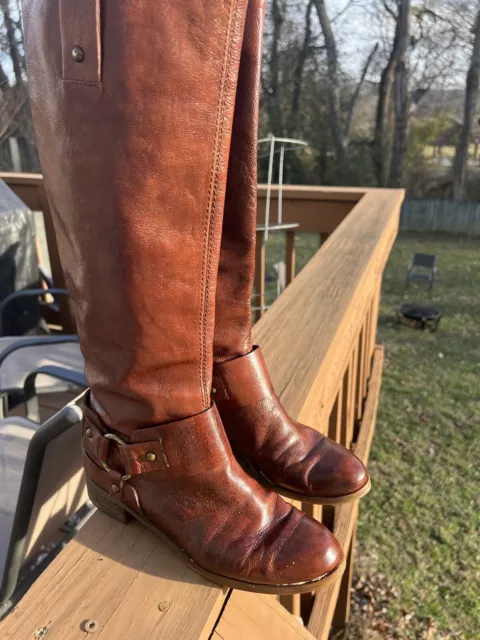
309,554
337,473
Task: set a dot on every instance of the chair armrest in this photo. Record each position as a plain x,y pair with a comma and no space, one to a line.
48,279
32,409
53,428
36,341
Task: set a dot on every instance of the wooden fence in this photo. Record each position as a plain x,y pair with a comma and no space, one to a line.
441,215
318,339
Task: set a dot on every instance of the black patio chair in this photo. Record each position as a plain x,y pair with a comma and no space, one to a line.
35,365
43,486
423,267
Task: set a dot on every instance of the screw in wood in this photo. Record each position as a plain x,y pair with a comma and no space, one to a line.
164,606
91,626
41,632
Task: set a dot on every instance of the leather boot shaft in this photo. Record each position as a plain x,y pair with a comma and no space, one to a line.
237,257
133,106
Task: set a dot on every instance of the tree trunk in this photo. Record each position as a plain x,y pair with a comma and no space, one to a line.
338,134
381,151
273,99
400,142
356,93
298,73
471,99
13,44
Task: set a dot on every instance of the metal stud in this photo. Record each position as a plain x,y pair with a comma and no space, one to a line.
78,54
89,433
151,457
214,391
115,488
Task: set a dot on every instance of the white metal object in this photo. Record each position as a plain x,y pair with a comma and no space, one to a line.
276,145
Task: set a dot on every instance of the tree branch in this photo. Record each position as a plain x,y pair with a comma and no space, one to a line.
356,93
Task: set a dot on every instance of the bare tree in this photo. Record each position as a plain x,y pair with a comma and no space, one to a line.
273,97
338,134
471,99
299,71
402,36
340,131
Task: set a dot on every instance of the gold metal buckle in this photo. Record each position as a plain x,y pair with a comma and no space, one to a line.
122,443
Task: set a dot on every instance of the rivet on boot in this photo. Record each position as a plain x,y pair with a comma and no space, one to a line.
89,433
151,457
78,54
115,488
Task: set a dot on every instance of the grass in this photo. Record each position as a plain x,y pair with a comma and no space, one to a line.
419,529
448,153
420,526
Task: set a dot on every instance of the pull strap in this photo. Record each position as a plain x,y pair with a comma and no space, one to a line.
175,449
81,41
241,382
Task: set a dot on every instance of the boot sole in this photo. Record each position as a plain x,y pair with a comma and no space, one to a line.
302,497
117,510
262,479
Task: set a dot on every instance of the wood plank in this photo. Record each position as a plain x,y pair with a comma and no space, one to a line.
290,257
259,291
346,515
308,192
291,603
250,616
341,614
311,215
117,576
309,333
344,430
367,358
323,238
364,442
335,418
324,607
374,320
361,382
352,386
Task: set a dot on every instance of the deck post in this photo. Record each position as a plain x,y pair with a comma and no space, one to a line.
290,257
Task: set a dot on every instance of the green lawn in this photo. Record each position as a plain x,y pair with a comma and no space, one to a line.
418,560
447,151
420,526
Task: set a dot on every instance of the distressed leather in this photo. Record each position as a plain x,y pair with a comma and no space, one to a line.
256,423
237,255
289,454
134,144
197,494
134,138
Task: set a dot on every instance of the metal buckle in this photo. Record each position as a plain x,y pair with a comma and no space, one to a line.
122,443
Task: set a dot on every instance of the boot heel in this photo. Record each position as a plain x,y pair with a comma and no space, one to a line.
105,503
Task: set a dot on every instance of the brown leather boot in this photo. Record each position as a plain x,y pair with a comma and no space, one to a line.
133,108
286,456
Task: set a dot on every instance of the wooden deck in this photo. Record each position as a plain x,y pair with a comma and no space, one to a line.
319,343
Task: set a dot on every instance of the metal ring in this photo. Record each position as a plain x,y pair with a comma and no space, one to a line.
106,466
115,438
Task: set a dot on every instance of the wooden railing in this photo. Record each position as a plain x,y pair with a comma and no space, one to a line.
314,209
318,339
